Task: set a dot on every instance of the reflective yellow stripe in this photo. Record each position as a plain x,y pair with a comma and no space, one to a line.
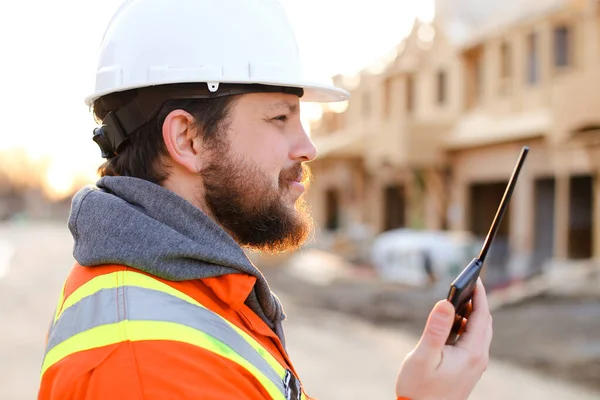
61,299
151,330
122,278
107,281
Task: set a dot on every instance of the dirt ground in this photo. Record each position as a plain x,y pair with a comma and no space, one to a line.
557,336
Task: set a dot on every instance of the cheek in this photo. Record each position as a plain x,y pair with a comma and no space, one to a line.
265,148
273,160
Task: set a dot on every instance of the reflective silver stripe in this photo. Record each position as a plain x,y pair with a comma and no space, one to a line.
109,306
95,310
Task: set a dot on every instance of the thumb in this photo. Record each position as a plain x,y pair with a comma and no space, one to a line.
438,326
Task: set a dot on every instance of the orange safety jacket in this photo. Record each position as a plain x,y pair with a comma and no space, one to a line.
119,333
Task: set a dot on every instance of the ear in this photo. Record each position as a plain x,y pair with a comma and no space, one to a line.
182,140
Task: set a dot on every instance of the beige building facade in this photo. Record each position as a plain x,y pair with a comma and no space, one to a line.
430,141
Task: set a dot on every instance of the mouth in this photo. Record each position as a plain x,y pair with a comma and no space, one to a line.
297,179
297,186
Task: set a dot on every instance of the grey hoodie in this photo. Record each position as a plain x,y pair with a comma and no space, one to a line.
133,222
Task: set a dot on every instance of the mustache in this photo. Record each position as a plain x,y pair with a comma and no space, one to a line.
299,173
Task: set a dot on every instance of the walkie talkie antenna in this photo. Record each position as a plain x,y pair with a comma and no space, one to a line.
503,205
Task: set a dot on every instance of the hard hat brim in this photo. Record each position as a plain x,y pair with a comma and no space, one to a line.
313,91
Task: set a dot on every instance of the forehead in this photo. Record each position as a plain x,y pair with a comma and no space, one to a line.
269,102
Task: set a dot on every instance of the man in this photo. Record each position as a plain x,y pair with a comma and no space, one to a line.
199,105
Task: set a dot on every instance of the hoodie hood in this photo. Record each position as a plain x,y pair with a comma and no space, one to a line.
133,222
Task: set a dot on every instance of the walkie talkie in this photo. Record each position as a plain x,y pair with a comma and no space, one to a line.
461,290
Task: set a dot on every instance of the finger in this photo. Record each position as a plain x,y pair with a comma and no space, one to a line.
488,335
478,322
435,334
487,343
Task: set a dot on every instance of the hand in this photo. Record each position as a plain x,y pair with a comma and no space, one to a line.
436,371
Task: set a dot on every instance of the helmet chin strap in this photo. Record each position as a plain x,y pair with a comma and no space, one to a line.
116,127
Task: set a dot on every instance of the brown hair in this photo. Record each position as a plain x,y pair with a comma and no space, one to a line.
145,153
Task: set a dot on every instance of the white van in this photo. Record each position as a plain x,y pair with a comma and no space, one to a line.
418,257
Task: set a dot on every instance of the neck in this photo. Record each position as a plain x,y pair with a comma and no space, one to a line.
191,189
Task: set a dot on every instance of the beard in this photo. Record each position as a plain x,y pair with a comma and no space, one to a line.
242,199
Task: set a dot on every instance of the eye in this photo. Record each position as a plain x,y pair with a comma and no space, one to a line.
282,118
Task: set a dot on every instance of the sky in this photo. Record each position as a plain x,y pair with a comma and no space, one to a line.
49,55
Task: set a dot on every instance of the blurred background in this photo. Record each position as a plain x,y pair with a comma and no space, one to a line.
408,178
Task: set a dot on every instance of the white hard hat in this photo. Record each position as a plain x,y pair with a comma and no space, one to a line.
156,42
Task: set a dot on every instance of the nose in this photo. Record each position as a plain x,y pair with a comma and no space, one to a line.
303,149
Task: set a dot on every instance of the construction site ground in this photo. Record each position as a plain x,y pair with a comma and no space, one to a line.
556,336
